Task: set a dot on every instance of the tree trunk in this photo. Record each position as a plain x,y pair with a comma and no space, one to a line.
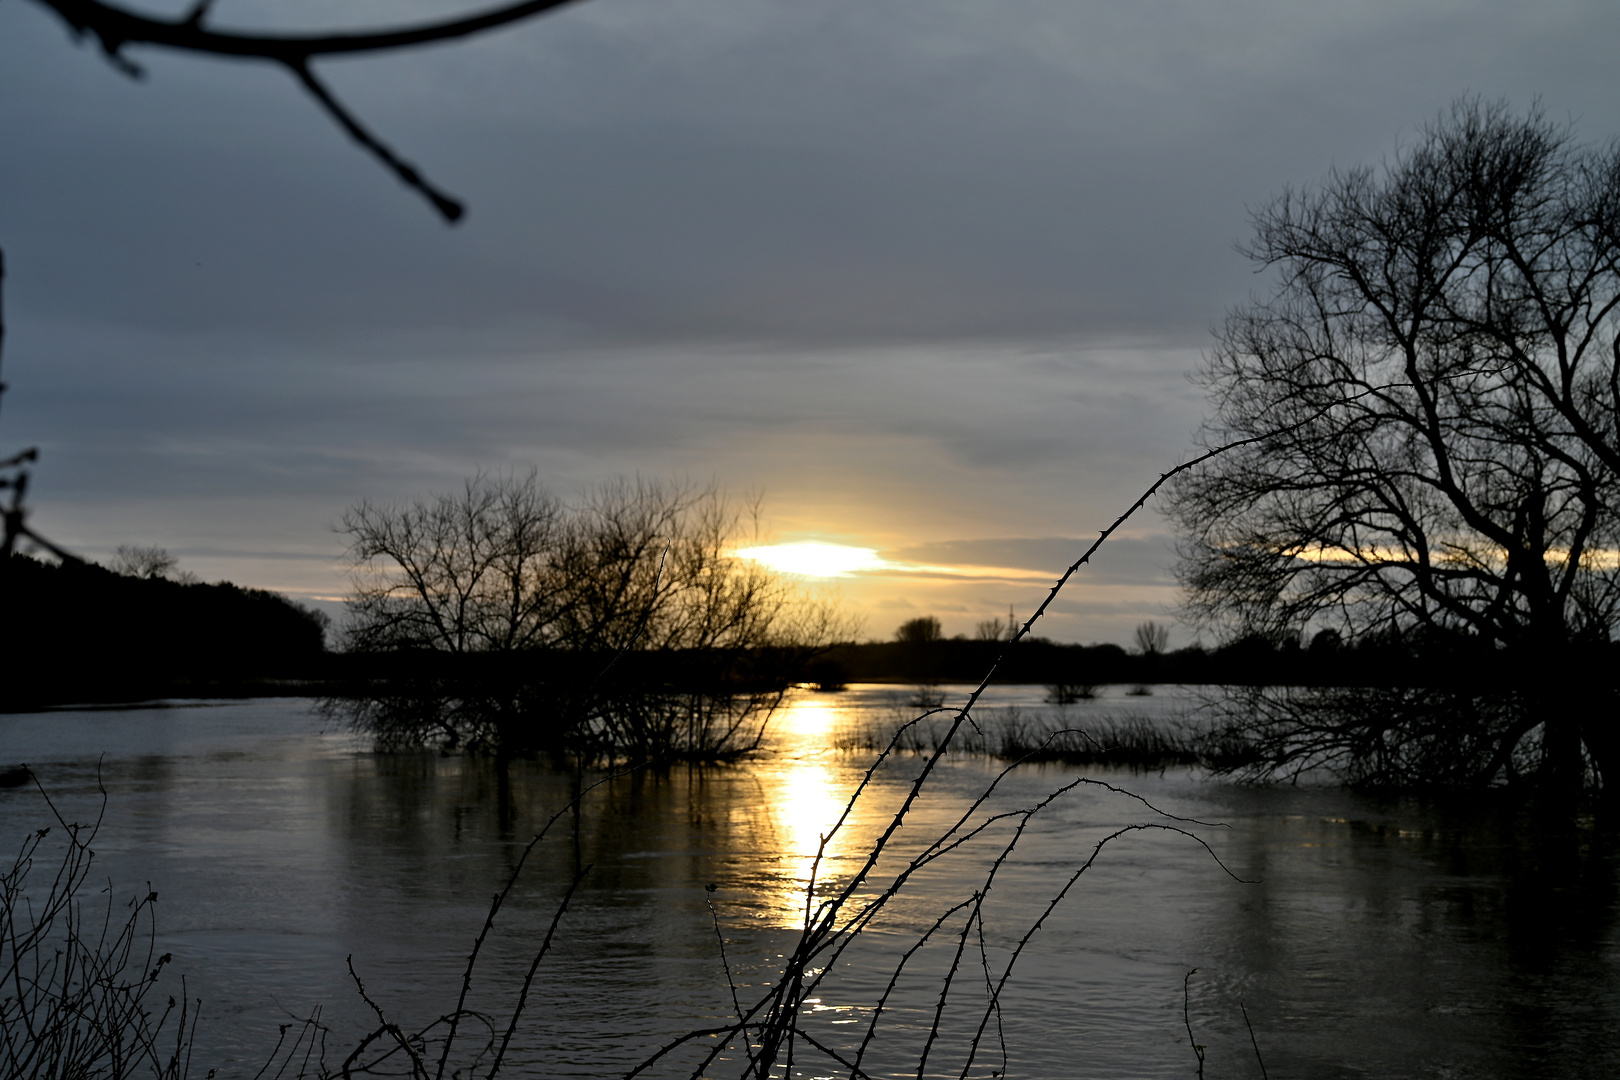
1600,732
1576,714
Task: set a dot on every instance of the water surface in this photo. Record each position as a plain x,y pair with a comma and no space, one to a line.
1369,937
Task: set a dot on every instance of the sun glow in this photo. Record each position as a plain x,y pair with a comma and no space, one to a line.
815,558
810,718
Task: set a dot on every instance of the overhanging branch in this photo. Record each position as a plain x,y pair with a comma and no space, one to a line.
116,27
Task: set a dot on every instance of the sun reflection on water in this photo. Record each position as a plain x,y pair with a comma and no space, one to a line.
810,720
804,798
807,807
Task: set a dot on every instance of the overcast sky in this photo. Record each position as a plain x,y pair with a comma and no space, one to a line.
930,274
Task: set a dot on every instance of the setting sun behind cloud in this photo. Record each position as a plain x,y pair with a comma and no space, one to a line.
815,558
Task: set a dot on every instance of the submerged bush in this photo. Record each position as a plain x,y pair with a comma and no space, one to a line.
626,626
1390,736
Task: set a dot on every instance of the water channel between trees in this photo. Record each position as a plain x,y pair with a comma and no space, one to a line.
1371,937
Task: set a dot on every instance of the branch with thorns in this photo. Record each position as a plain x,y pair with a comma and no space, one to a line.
115,29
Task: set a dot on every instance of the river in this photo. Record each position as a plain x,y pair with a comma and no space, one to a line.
1362,936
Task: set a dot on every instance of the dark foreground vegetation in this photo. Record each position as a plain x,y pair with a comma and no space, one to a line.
637,705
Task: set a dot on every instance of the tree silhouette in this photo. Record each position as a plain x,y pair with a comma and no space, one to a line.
499,608
991,629
919,631
1151,639
1432,393
144,562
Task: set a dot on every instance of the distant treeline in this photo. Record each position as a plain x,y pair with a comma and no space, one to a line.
79,633
1428,659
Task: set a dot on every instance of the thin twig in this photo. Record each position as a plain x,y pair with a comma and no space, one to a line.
1186,1018
1254,1043
388,1026
528,979
115,27
448,207
731,983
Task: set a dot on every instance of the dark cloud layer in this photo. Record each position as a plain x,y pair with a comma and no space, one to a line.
921,270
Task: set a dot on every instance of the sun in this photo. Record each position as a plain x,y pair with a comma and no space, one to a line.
814,558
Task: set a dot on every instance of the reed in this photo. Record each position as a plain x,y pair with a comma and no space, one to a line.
1012,735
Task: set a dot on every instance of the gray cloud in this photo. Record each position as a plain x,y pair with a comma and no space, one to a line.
741,171
921,270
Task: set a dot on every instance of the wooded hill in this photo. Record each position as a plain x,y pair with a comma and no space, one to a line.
79,633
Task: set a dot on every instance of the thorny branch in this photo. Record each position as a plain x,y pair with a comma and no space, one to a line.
115,28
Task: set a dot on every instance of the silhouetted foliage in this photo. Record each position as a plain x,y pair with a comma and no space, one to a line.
992,630
922,629
81,972
826,675
1151,639
500,617
1429,402
1067,693
143,562
76,632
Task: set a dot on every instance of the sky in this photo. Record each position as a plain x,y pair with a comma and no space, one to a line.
932,277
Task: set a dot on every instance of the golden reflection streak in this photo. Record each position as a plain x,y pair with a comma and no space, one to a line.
805,801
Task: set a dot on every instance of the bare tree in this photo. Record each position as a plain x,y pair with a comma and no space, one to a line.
992,629
1151,638
625,624
1430,396
457,573
921,630
504,565
143,562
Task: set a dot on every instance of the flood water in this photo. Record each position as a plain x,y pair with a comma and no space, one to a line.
1366,938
